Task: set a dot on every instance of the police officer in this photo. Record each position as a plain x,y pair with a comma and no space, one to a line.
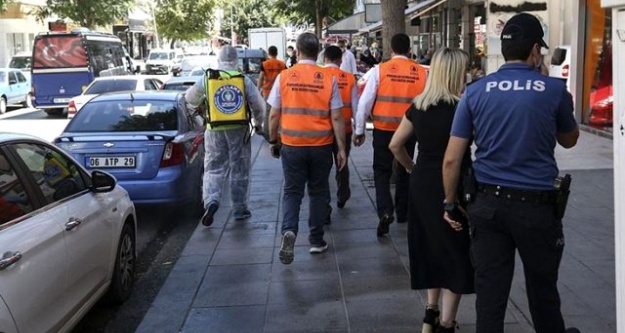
517,115
349,95
387,95
306,105
227,147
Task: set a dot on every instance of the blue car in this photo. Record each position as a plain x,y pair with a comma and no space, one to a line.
148,140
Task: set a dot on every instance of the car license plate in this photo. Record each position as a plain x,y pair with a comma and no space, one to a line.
112,162
62,100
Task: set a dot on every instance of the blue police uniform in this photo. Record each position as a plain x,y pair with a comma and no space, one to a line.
515,115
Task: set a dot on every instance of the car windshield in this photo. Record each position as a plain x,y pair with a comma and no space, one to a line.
158,56
125,116
104,86
190,63
180,86
20,62
559,55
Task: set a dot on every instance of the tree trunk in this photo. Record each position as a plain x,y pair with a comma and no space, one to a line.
172,43
318,19
394,23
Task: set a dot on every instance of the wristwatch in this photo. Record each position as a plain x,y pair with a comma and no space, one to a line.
449,206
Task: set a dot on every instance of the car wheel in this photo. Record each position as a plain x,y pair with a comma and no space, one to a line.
123,275
28,103
3,105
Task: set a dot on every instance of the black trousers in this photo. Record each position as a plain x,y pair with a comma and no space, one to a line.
343,192
383,169
499,227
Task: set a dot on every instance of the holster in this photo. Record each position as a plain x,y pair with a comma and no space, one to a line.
563,189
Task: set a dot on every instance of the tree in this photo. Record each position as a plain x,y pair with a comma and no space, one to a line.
87,13
184,19
318,11
394,23
248,14
3,5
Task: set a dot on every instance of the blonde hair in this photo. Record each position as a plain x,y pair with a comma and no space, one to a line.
445,80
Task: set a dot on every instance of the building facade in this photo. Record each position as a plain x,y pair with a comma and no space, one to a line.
18,29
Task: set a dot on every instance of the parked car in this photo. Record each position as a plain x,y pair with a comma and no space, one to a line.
602,107
148,140
67,237
181,83
107,84
23,62
14,89
560,65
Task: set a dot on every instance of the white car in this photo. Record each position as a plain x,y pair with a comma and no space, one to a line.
67,237
560,65
107,84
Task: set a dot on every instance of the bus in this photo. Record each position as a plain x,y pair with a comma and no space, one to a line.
64,63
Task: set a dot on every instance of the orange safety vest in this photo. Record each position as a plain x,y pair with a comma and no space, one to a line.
306,92
400,81
346,83
271,67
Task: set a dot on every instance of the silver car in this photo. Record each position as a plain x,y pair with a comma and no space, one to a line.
67,237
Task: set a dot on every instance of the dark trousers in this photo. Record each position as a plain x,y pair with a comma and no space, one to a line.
306,166
343,193
498,228
383,169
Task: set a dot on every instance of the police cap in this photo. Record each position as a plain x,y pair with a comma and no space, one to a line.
524,27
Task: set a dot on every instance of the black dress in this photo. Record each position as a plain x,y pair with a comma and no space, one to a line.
439,255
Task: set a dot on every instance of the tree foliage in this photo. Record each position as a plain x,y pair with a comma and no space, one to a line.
317,11
87,13
248,14
3,5
184,19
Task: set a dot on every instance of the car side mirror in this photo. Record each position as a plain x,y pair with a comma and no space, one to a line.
102,182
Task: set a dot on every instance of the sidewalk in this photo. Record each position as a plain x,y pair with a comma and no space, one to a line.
229,278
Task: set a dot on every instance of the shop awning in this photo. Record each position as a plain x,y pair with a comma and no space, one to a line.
425,10
409,13
348,25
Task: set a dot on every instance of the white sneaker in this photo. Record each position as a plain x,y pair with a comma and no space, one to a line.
315,249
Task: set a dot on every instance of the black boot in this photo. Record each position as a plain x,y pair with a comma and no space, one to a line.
430,321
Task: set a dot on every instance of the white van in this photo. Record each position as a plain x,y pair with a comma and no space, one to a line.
21,61
163,61
560,66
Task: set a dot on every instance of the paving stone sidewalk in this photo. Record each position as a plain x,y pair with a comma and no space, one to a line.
229,278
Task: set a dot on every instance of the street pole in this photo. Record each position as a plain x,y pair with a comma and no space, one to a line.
158,44
232,25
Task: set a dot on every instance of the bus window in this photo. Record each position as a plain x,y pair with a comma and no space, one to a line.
59,52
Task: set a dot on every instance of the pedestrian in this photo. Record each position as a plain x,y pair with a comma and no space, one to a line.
517,115
227,147
438,254
390,89
349,95
269,70
368,59
306,106
291,60
348,61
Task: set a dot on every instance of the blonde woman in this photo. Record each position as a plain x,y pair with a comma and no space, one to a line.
439,255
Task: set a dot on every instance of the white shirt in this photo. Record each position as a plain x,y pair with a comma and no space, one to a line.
275,98
368,98
354,93
349,62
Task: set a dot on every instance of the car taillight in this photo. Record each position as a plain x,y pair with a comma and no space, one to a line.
565,71
173,154
71,107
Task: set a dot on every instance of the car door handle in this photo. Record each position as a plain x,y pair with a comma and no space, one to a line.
72,223
9,259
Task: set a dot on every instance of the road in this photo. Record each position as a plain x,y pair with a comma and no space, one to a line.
162,234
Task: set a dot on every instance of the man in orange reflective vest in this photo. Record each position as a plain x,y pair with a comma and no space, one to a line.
306,106
389,91
269,70
349,94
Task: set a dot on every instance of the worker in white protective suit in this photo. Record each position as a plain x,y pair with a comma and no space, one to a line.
227,146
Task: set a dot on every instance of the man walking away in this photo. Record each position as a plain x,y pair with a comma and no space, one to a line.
516,116
387,96
227,146
269,70
306,105
349,95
